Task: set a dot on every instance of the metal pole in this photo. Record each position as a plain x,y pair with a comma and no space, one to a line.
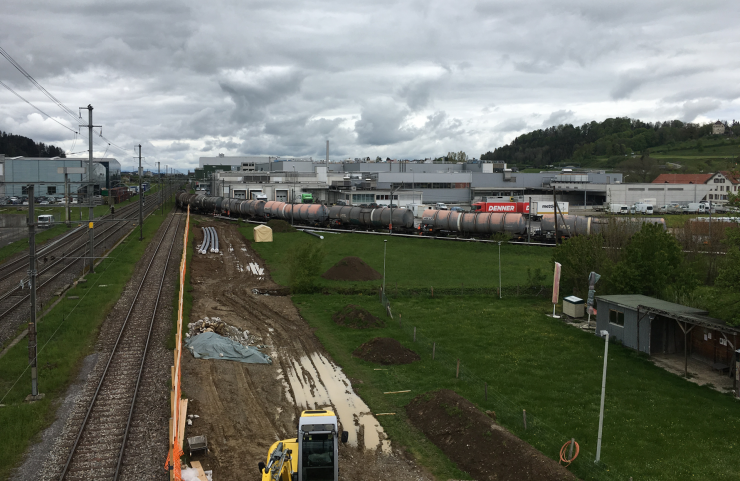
292,200
32,354
603,394
141,201
529,220
385,249
66,196
499,271
161,187
555,211
90,190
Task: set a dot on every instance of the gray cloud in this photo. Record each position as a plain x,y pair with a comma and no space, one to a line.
392,78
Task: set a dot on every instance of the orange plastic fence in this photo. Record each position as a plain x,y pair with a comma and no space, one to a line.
172,463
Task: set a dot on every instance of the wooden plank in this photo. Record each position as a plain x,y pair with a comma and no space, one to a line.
183,420
197,466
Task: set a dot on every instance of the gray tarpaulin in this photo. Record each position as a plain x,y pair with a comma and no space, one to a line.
210,345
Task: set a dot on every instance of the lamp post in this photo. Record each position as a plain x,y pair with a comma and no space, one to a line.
292,200
385,249
500,293
605,334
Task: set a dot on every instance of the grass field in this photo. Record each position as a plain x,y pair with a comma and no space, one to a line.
417,263
657,426
65,336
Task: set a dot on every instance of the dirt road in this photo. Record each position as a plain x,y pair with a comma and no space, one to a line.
244,408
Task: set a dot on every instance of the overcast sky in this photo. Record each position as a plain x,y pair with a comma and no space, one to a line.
407,79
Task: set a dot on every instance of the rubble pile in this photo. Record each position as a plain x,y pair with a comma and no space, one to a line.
215,324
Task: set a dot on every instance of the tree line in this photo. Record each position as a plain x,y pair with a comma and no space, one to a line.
617,136
17,145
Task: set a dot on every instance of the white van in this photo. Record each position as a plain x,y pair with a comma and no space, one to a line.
45,221
440,206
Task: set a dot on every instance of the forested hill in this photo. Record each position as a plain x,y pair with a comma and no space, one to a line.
611,137
17,145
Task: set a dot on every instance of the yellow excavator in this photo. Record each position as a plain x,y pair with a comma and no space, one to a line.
312,456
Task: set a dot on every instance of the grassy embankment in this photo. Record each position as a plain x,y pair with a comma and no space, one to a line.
528,360
65,336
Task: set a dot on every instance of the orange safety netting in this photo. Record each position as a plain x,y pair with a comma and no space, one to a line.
172,463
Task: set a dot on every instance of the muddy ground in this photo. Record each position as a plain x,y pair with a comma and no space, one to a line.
244,408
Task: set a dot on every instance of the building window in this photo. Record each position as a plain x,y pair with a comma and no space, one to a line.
51,190
616,317
24,190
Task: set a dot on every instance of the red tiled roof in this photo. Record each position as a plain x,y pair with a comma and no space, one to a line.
682,178
730,177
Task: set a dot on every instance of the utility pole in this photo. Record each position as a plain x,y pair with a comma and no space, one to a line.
66,196
141,201
555,212
161,187
32,352
90,188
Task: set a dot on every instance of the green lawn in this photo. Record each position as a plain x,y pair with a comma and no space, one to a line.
413,263
65,336
657,426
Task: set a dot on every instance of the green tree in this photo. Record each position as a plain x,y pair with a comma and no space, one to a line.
651,262
304,266
579,256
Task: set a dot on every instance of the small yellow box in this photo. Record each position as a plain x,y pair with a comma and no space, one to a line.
90,225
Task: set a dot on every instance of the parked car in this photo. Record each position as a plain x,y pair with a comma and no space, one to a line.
457,209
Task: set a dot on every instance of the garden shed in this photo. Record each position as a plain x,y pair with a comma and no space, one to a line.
654,326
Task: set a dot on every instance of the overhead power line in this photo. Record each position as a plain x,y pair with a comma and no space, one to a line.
41,111
38,85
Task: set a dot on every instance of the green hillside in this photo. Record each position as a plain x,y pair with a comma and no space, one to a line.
639,149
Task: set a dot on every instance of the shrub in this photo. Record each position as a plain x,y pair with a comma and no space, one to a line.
304,266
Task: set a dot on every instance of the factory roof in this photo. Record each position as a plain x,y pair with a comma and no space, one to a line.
682,178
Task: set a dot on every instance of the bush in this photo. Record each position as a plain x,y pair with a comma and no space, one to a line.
304,266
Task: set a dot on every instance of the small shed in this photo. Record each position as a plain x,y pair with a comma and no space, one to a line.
262,233
654,326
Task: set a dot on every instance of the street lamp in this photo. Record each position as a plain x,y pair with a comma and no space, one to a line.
605,335
500,294
385,249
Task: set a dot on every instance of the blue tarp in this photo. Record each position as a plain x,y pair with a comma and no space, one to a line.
210,345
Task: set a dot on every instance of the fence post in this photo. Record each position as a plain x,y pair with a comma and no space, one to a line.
457,372
414,334
432,291
572,443
524,415
434,348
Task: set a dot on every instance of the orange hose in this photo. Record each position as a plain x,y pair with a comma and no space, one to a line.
562,453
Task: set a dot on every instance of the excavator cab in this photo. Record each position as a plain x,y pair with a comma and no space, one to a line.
312,456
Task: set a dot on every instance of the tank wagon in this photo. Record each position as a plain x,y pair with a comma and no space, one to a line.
343,217
433,222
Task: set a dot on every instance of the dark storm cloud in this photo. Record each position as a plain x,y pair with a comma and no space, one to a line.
389,78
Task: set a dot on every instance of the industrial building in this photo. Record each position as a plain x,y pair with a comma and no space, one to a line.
47,175
356,182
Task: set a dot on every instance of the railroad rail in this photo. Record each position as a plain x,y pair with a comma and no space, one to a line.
100,443
21,263
65,262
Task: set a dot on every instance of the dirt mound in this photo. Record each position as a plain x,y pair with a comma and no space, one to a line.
384,350
458,428
356,317
278,225
351,269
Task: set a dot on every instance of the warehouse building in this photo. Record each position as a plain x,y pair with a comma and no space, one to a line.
16,173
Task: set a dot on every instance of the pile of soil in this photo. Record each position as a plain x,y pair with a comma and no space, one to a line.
356,317
278,225
476,443
351,269
386,351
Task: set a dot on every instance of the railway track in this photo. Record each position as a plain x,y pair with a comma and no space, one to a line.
99,444
53,275
20,265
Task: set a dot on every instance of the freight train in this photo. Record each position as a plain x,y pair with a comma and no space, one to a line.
433,222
